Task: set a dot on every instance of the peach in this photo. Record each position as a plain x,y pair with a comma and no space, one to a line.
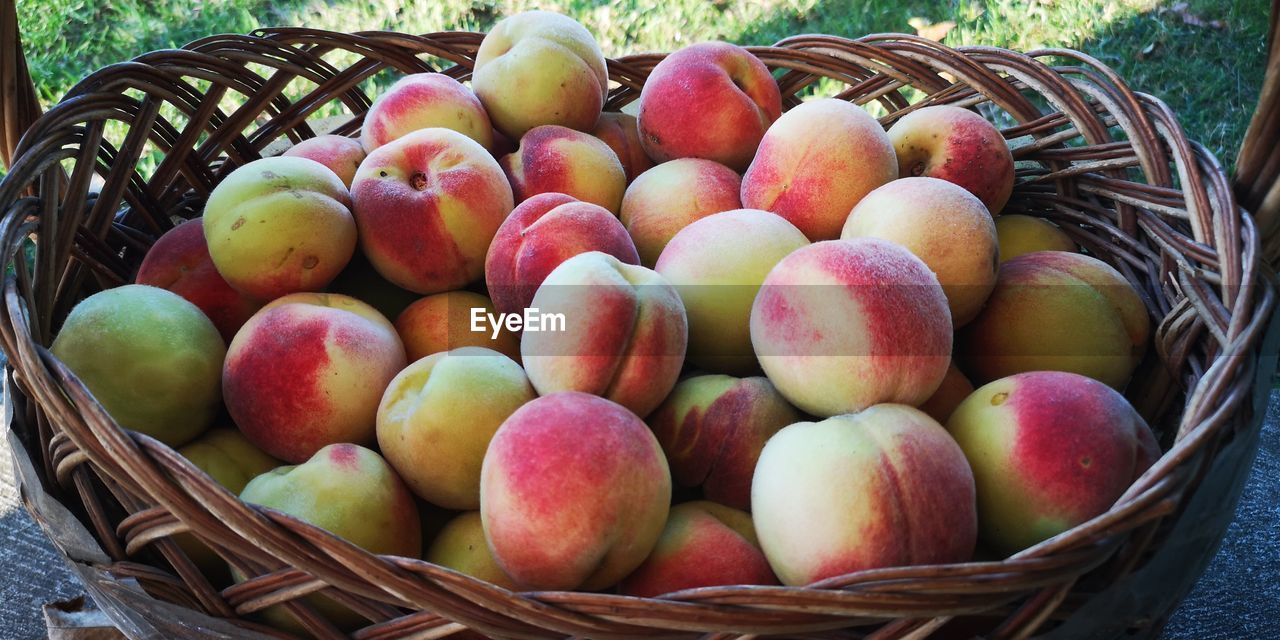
883,487
1057,311
717,265
619,131
149,357
541,233
539,67
671,196
1049,450
703,545
816,162
841,325
443,321
461,546
711,100
438,415
427,205
943,225
554,159
342,155
179,261
554,523
956,145
425,101
307,371
362,282
712,428
1020,235
954,389
280,225
622,332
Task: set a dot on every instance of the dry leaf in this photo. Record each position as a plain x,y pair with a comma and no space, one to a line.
1182,10
931,30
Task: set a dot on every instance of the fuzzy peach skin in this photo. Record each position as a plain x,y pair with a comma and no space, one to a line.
883,487
703,545
844,324
539,67
816,162
442,322
555,159
553,522
671,196
959,146
427,205
179,261
424,101
943,225
711,100
712,428
1049,451
461,546
1057,311
620,132
342,155
541,233
280,225
308,370
438,415
717,265
1020,235
954,389
623,338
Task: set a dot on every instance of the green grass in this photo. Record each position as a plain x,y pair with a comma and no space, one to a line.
1209,76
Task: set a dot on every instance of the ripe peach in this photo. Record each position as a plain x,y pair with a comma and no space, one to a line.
943,225
717,265
280,225
428,205
443,322
342,155
956,145
844,324
1021,235
307,371
954,389
711,100
816,162
672,195
1057,311
461,546
619,131
879,488
424,101
553,522
712,429
541,233
554,159
1049,451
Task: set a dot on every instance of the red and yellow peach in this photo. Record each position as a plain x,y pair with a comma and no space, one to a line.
554,159
671,196
425,101
619,131
342,155
959,146
444,321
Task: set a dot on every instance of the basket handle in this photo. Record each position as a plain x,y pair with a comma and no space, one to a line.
18,104
1257,181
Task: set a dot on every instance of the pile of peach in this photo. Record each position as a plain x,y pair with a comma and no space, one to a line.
777,313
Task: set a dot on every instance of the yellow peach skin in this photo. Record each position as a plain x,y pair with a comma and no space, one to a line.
1020,235
671,196
461,546
443,322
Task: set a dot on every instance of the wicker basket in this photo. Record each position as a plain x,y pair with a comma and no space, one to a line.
1109,164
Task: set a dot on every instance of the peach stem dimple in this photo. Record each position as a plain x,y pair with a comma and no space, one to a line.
418,181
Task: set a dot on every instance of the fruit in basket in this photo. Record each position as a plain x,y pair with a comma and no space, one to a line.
671,196
1021,235
342,155
307,371
956,145
1049,451
816,162
461,546
621,332
882,487
703,545
712,428
717,265
554,159
444,321
841,325
541,233
553,522
179,261
280,225
620,132
943,225
954,389
1057,311
150,358
438,415
425,101
427,205
539,67
711,100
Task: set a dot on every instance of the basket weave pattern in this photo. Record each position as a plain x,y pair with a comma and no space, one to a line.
1108,164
